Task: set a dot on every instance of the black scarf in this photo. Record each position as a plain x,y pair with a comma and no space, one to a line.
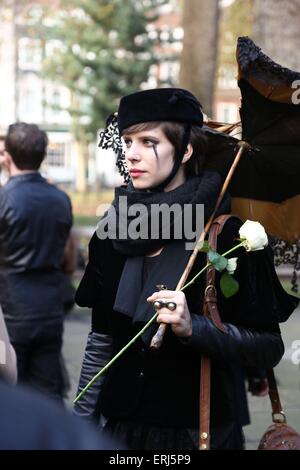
132,294
197,190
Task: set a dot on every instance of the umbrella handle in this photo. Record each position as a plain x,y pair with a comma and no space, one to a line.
157,339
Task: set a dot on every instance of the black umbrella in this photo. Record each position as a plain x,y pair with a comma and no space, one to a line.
266,183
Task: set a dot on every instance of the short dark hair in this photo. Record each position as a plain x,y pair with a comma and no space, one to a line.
174,132
27,145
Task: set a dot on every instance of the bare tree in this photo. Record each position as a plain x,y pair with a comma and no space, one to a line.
277,30
199,54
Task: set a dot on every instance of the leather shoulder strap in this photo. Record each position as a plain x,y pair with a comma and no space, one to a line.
210,309
278,414
210,295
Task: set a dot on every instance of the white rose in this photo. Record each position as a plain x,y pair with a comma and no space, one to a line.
231,265
254,235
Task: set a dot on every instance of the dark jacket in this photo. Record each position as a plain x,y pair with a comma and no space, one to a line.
35,220
162,387
30,421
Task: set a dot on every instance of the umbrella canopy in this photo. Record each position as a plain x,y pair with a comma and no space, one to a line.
266,184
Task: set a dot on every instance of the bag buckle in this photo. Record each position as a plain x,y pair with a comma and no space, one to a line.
210,286
281,418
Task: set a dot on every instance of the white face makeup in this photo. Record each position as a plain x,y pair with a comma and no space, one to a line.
150,159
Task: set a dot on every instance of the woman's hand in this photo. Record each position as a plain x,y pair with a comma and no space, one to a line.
179,318
258,387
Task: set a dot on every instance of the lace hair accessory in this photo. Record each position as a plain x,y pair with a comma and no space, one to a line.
110,138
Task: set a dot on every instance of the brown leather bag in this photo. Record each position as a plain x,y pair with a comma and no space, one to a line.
279,435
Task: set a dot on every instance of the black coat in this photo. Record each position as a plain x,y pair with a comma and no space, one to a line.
162,388
35,221
30,421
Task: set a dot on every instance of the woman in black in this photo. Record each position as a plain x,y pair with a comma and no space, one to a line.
150,399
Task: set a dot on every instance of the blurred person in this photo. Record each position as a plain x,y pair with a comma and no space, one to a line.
69,266
8,360
3,170
2,148
250,380
35,221
30,421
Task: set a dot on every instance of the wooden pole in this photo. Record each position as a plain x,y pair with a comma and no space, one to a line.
158,337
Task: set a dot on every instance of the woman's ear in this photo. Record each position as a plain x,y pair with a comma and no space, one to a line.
188,153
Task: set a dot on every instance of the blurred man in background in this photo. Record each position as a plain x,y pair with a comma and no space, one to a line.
35,221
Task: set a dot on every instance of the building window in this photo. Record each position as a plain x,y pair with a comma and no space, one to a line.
55,103
56,154
30,54
227,78
227,112
57,100
30,99
28,102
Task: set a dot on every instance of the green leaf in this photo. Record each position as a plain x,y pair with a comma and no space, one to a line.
204,246
218,261
229,285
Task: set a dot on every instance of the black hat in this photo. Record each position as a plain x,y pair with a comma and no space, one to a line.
160,104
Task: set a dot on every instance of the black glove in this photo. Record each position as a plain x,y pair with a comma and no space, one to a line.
97,354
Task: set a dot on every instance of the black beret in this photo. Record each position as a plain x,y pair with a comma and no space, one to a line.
159,104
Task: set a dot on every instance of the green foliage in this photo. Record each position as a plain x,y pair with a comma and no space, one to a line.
85,220
104,51
218,261
204,247
236,20
229,286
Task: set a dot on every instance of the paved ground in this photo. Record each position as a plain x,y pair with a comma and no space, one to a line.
288,377
77,326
